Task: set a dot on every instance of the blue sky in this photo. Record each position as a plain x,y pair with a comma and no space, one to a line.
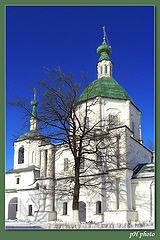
68,36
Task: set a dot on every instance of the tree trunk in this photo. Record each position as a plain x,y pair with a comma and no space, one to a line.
75,205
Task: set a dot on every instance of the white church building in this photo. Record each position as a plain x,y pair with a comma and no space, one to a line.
124,189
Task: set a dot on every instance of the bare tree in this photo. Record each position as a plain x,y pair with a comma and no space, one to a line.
94,143
150,144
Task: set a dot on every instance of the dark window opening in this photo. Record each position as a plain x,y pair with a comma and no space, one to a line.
101,70
16,207
105,69
98,207
21,156
30,210
17,181
113,120
65,208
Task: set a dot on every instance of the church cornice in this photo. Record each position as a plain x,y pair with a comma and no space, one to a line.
27,169
94,175
141,144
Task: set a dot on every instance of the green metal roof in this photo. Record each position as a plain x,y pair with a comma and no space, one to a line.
143,170
33,135
104,87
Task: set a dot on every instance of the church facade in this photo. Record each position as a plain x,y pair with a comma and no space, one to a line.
120,191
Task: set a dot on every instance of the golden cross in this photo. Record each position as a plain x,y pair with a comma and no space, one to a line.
104,31
35,93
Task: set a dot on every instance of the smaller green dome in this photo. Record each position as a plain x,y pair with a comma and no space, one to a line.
104,87
34,103
104,51
33,135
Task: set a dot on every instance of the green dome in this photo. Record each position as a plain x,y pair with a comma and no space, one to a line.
33,135
104,87
34,103
104,51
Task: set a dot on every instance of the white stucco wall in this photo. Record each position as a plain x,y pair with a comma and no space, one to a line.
144,198
136,153
25,198
100,108
31,153
23,192
26,178
135,117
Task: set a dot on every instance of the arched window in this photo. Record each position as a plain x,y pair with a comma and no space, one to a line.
101,69
13,208
113,120
98,207
21,155
105,68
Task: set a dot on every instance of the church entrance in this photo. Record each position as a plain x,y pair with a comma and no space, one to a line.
82,211
12,208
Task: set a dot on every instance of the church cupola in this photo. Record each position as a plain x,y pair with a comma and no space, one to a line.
33,120
104,65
